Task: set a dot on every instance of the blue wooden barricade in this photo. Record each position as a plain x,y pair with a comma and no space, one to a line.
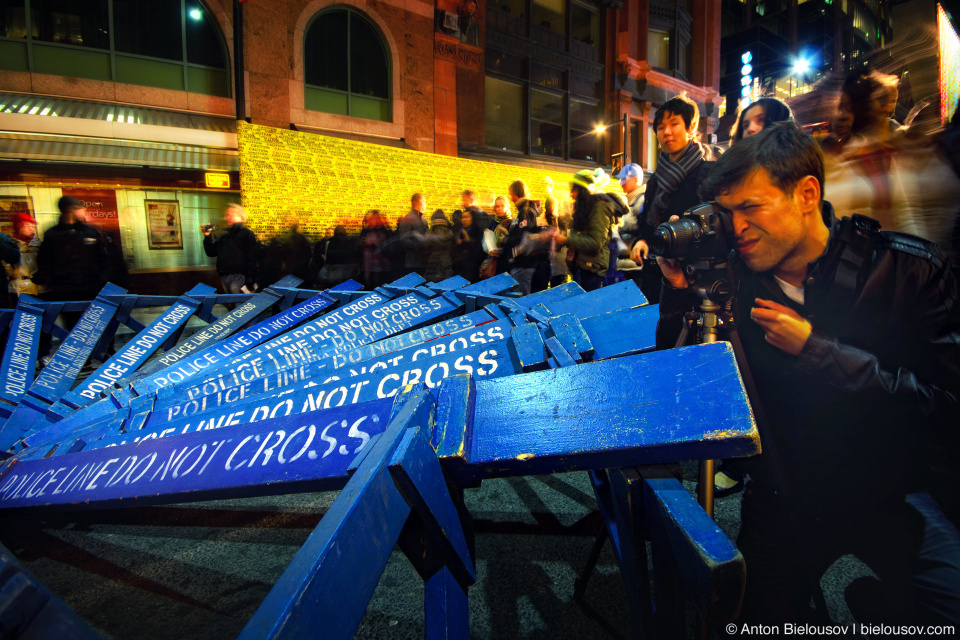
400,397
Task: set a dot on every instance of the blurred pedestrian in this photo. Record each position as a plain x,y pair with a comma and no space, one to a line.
235,248
375,264
467,254
589,236
21,275
412,231
72,262
521,264
866,174
438,244
341,260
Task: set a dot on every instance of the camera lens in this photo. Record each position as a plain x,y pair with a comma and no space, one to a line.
671,239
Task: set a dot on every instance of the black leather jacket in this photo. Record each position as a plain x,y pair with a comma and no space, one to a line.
879,375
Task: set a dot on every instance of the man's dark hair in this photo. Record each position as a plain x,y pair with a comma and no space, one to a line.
681,106
470,193
519,188
784,150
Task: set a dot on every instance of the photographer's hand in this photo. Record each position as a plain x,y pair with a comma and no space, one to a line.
673,273
784,327
640,251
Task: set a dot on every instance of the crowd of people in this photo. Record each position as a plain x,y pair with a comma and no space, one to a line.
530,238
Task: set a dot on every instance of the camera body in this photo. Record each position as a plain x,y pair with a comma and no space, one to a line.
209,227
702,238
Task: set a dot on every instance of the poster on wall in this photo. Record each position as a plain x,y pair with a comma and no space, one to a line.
101,207
163,224
10,206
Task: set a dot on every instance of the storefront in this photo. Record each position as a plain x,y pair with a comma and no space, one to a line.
149,179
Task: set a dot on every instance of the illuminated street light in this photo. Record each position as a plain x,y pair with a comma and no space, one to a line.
196,14
801,66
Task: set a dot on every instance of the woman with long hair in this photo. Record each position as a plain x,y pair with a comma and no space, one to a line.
758,116
589,236
467,251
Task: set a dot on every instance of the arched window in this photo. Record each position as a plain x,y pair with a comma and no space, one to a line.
346,66
171,44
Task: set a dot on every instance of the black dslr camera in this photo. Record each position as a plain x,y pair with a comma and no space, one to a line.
702,238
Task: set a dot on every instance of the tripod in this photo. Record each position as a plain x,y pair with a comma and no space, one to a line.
714,288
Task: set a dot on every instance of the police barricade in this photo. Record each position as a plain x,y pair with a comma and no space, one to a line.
353,400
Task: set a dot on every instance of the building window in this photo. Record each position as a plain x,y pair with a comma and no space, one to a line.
658,49
546,122
583,138
346,66
170,44
550,15
503,114
584,24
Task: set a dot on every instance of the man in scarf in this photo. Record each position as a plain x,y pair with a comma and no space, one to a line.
673,187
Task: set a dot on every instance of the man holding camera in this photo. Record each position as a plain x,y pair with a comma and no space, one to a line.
236,250
852,337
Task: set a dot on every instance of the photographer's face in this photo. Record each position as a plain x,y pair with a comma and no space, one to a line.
768,223
672,134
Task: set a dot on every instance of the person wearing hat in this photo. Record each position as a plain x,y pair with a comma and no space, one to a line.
589,236
20,275
631,181
73,261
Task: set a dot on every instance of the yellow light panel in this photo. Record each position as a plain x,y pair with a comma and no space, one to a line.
322,182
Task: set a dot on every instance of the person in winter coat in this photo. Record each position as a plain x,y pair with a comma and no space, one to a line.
521,265
674,186
21,274
467,253
589,236
73,261
438,242
235,248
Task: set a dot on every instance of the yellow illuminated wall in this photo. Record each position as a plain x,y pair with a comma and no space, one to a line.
322,182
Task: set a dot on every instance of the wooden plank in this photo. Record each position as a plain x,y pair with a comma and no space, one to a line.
416,470
625,332
618,297
530,348
273,376
280,455
571,334
663,406
20,354
709,566
230,348
59,375
131,355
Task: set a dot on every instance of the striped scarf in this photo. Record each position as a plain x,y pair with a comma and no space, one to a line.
670,173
